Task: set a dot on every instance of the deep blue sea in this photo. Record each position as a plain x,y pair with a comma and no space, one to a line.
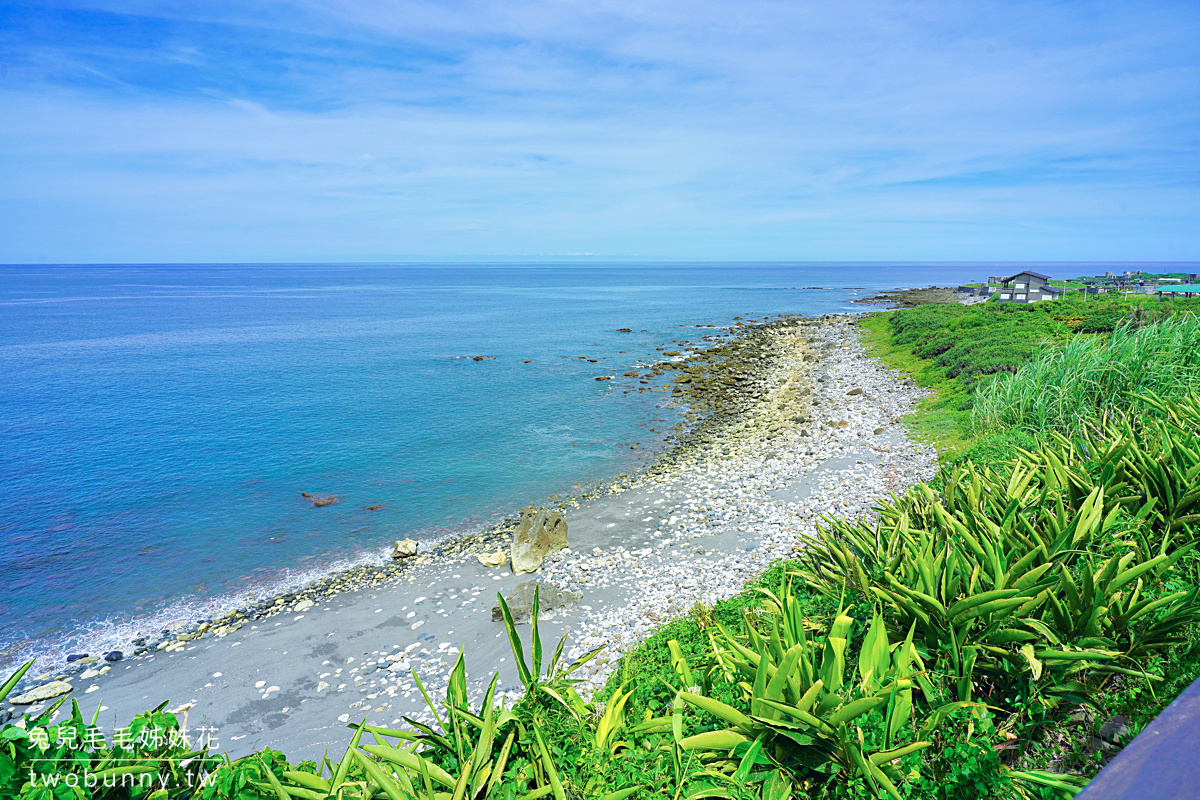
159,423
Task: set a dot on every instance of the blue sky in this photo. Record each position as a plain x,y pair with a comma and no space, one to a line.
355,130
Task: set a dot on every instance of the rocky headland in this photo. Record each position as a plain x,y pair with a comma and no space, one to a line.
911,298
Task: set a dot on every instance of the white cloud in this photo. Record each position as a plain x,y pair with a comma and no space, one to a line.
761,130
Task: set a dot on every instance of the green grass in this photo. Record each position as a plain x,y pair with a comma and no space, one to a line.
1063,388
940,418
943,419
962,352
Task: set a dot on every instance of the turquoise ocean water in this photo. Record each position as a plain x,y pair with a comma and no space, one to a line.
158,423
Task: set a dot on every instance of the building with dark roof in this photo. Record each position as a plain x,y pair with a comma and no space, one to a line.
1026,287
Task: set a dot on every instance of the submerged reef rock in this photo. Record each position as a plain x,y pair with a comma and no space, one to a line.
319,500
550,600
404,548
540,531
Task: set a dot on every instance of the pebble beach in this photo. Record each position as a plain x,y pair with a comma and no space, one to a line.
792,421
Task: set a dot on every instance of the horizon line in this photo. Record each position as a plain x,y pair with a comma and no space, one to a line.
550,261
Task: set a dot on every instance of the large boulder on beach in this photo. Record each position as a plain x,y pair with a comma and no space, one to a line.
539,532
405,548
550,601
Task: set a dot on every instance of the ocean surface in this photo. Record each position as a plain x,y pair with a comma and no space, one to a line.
158,424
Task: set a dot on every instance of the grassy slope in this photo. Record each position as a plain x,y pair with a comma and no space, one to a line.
939,419
943,419
954,350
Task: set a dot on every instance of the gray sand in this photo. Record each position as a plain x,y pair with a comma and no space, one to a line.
219,677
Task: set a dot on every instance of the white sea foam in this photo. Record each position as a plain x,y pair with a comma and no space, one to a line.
115,633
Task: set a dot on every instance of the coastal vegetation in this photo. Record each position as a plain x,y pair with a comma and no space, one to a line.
965,355
1091,378
998,632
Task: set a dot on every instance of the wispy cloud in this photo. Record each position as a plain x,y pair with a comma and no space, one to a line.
383,130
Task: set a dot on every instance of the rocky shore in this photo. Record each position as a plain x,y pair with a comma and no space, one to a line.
789,400
911,298
790,420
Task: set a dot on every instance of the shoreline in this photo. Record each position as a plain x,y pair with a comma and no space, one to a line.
731,508
367,568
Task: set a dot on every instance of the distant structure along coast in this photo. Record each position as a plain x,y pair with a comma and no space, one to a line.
1033,287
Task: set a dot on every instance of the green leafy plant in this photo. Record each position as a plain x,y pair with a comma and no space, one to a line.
150,757
556,683
803,713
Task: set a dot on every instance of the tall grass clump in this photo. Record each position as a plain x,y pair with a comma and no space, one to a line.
1064,387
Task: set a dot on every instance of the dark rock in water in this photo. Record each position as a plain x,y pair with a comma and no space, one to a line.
75,657
550,601
320,500
114,656
624,330
138,642
604,378
540,531
375,508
